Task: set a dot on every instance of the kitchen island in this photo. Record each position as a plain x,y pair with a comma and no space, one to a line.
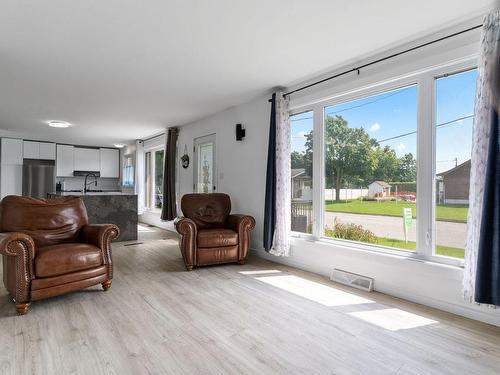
110,208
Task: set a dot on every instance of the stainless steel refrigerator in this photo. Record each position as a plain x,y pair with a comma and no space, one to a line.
39,177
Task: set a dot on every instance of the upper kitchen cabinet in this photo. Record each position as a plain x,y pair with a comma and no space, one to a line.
87,159
110,162
47,151
31,150
11,151
65,162
39,150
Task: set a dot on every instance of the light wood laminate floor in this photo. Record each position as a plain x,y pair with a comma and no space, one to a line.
261,318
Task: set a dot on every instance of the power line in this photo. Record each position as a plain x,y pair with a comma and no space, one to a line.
414,132
373,101
387,95
437,126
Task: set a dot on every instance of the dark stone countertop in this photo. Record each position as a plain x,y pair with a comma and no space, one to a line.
111,208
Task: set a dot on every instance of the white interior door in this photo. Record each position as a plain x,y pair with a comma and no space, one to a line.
204,165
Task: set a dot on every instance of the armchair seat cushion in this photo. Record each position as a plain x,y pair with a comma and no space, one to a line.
217,237
66,258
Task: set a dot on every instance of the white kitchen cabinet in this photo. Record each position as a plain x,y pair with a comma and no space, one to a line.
11,167
65,162
11,151
110,162
87,159
11,181
47,151
31,150
39,150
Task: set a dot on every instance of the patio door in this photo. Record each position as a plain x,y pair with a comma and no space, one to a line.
204,164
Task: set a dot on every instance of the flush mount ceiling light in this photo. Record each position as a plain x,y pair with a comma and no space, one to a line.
119,145
59,124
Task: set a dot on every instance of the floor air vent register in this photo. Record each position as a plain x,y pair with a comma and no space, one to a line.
352,279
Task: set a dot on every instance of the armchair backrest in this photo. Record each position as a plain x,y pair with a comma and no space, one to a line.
206,210
47,221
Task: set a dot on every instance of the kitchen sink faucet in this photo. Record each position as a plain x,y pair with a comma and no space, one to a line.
91,174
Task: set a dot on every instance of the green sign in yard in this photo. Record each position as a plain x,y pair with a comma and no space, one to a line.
407,221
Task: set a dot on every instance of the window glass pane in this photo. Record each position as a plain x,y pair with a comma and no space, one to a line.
454,115
148,185
158,188
370,169
301,165
128,172
205,167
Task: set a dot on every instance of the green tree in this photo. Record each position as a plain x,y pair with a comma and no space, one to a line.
386,164
308,155
297,159
348,153
407,169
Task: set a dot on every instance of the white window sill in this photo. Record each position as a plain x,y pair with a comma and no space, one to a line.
380,251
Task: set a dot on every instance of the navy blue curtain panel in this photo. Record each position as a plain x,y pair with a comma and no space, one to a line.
169,207
488,262
270,203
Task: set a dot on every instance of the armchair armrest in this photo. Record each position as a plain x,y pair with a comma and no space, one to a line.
188,231
242,224
101,235
19,249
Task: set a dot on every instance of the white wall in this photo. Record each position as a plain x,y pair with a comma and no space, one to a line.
242,172
241,165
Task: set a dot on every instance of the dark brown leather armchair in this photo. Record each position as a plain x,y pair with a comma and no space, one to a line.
48,248
209,234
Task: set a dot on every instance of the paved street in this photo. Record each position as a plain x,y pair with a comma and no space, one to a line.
448,234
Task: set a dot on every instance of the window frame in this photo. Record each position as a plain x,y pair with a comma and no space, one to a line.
152,176
424,80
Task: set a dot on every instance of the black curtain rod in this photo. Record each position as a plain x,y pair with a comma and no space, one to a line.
357,69
152,137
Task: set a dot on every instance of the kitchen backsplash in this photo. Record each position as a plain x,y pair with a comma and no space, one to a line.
76,183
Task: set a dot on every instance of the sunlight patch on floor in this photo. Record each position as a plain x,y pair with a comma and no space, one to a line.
393,319
259,272
314,291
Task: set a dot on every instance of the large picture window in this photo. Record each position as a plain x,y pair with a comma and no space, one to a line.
356,177
370,169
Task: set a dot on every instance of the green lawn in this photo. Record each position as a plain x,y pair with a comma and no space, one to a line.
456,213
440,250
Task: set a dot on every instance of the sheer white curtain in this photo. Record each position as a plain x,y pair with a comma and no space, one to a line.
139,175
281,240
480,138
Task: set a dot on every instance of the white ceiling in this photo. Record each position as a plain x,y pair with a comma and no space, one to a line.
125,69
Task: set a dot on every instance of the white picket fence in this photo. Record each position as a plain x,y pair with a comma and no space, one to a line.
345,193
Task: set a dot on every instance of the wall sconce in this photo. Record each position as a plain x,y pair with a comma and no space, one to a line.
240,132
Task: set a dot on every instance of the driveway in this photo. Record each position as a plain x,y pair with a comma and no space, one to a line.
448,234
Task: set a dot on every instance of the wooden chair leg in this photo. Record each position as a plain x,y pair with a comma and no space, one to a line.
242,261
106,285
22,308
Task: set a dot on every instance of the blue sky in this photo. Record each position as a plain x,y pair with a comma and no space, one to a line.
394,113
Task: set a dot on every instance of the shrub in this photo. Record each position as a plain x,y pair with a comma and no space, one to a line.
367,199
350,231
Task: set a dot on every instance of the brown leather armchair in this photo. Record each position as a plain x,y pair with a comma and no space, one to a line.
48,248
209,234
